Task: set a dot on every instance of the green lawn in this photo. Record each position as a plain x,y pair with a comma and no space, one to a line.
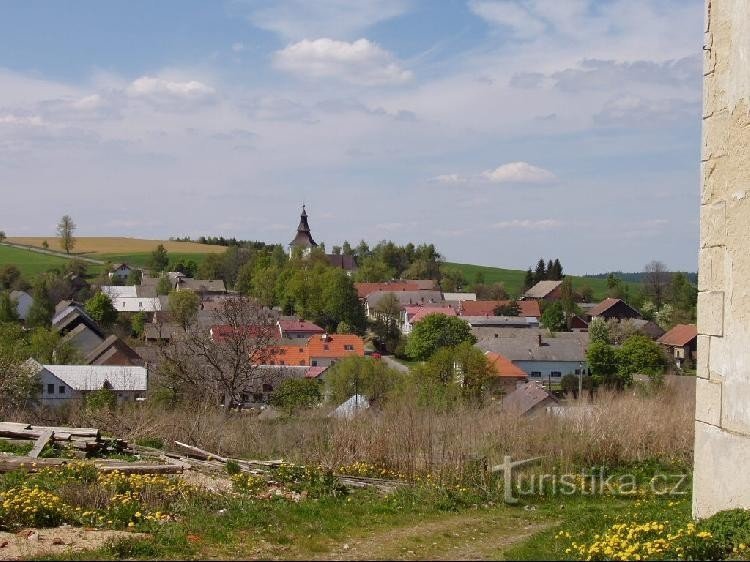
28,262
513,278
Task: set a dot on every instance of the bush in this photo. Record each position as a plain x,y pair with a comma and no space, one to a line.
730,528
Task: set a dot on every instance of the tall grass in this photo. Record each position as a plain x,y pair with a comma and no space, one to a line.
615,429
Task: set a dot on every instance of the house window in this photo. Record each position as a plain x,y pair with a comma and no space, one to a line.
314,363
536,374
50,389
555,374
348,347
325,346
61,389
267,388
578,371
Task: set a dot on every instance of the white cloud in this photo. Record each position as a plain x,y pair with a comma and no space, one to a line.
510,15
150,86
360,61
449,178
238,46
298,19
528,224
518,172
21,120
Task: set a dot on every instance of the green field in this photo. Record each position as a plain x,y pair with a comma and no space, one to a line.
140,259
513,278
28,262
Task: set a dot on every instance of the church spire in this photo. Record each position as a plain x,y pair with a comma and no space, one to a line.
303,239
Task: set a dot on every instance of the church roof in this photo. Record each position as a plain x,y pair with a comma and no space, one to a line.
303,239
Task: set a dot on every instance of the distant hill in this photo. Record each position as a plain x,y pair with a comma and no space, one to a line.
637,277
513,278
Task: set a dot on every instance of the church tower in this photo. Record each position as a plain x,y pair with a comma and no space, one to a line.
303,239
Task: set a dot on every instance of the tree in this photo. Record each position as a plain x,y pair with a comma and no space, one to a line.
2,236
65,229
540,274
76,267
8,308
372,270
163,286
10,275
640,355
295,394
435,331
599,331
361,375
603,363
101,309
553,318
586,292
159,259
511,308
228,363
452,373
528,280
556,273
42,309
138,324
492,292
183,307
656,280
17,380
135,277
346,248
453,280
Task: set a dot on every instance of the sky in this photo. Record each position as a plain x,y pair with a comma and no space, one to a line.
502,131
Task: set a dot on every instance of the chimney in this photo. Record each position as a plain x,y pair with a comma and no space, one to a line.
539,336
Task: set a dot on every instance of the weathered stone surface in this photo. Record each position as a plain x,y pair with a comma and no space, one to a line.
703,351
720,479
711,268
708,401
713,224
711,313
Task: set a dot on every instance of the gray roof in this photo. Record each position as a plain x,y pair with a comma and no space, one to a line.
521,321
351,407
522,344
406,298
15,295
92,377
542,289
525,398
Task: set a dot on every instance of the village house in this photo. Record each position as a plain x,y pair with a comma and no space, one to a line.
458,298
269,377
529,399
120,272
364,289
319,351
526,309
23,302
613,308
297,329
506,376
544,291
545,358
304,243
404,298
410,315
60,384
681,344
125,299
178,281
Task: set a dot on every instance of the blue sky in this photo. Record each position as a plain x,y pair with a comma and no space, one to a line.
500,130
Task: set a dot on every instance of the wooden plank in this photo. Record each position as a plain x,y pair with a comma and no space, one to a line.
135,468
40,443
201,453
10,463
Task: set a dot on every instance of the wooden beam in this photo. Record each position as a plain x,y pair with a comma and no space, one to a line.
41,441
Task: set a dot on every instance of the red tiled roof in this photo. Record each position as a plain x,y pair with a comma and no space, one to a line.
417,313
487,308
315,372
680,335
300,326
335,345
503,367
364,289
220,332
291,355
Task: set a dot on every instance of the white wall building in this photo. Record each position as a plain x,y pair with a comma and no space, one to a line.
23,303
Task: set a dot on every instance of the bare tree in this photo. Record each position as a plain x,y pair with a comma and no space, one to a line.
656,280
65,229
225,361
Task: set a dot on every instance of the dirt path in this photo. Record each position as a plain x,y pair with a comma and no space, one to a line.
36,543
53,253
480,536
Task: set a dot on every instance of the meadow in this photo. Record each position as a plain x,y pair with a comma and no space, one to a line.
513,278
28,262
95,246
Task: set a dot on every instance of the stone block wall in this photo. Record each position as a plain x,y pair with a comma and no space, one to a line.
722,415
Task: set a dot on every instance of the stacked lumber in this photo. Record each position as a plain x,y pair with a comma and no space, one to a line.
86,441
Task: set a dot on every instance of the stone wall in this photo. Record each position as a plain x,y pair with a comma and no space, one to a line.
722,426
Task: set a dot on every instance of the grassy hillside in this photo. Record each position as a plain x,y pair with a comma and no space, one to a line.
119,245
513,278
28,262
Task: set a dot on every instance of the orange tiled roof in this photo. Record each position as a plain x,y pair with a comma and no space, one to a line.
364,289
503,367
335,345
680,335
487,308
291,355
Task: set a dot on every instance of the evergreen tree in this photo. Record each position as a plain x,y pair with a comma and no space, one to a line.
550,270
557,270
528,281
540,274
8,308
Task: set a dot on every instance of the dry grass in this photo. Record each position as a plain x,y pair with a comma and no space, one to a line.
616,429
118,245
